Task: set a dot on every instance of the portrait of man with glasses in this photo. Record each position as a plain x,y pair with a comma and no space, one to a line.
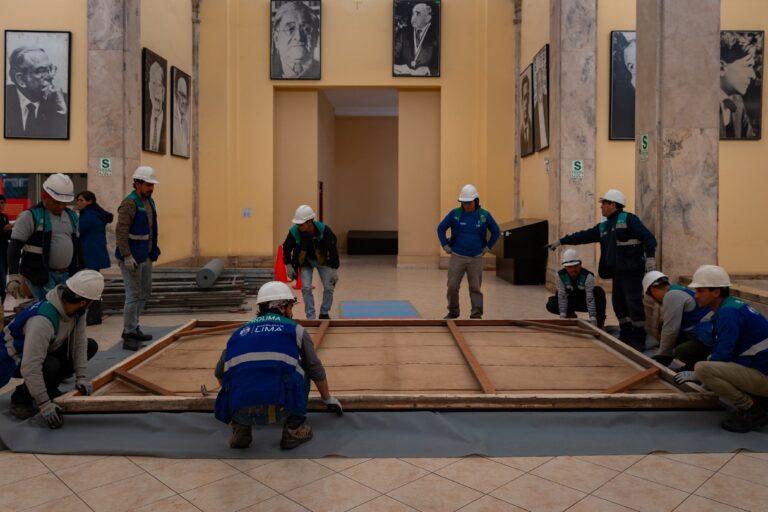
37,84
295,40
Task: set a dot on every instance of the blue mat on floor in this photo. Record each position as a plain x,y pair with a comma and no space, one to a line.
378,309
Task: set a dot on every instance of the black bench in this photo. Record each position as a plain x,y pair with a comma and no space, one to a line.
372,242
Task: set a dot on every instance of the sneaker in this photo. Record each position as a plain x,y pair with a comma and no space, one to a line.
451,316
324,316
23,411
293,437
241,436
141,336
746,420
131,343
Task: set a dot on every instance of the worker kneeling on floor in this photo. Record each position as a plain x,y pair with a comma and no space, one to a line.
265,373
576,291
46,343
737,370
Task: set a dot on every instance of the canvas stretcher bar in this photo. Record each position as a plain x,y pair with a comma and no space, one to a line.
489,351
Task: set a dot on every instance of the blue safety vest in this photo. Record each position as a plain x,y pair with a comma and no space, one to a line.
138,236
741,335
696,321
10,356
263,366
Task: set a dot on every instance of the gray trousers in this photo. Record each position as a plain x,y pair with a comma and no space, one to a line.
732,382
138,288
473,267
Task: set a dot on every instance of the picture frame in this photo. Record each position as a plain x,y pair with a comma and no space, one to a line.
623,72
741,84
181,112
37,79
289,20
526,141
541,99
416,48
154,112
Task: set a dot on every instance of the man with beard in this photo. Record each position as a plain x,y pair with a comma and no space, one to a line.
136,235
34,107
737,72
295,42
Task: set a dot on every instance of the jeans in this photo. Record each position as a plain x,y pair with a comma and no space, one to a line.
54,279
138,288
326,274
473,267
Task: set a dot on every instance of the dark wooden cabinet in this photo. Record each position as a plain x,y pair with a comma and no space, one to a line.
521,255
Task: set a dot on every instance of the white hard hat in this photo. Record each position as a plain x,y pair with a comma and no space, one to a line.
650,278
468,193
274,290
88,284
710,276
303,214
570,258
60,187
146,174
616,196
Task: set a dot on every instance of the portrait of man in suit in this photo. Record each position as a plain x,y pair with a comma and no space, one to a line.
295,40
526,112
153,102
36,99
180,82
741,74
416,38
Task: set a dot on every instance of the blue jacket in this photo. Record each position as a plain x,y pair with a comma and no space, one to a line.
138,238
93,236
263,366
469,231
625,243
10,357
741,335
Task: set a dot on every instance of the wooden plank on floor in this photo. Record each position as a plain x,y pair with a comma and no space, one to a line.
143,383
633,381
480,374
317,339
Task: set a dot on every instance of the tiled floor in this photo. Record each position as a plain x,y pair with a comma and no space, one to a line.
659,482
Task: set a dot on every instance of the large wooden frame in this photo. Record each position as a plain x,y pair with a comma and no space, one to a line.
647,384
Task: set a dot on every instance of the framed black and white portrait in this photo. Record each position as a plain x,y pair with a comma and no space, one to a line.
37,84
154,70
526,111
541,99
416,38
622,88
181,92
741,84
295,40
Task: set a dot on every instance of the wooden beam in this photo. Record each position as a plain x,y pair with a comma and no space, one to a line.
320,334
143,383
635,380
474,365
221,329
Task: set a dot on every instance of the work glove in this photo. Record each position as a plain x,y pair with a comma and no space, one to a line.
447,249
14,288
130,264
593,321
51,412
683,377
333,404
554,245
650,264
334,277
290,272
84,386
662,359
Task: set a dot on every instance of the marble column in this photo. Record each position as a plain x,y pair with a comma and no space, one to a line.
517,166
114,98
677,134
573,128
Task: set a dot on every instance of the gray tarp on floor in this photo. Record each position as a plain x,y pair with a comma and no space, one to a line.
383,434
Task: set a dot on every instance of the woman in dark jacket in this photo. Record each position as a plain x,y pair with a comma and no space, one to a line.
93,236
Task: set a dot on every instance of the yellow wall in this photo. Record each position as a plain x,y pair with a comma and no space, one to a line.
237,105
534,181
68,156
166,29
742,237
365,175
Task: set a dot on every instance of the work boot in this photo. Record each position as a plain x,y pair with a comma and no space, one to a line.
293,437
324,316
476,316
451,316
23,411
745,420
241,436
141,336
130,342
